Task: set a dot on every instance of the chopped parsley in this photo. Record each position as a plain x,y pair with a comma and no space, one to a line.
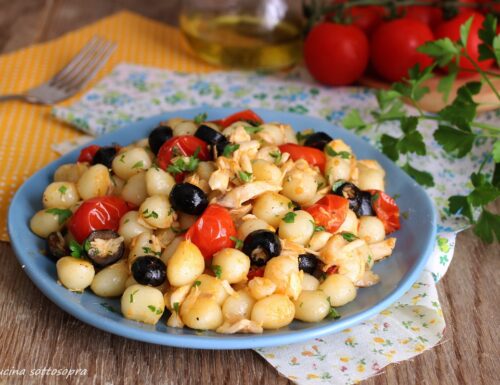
131,298
122,157
317,228
108,307
349,237
176,307
253,129
238,243
182,164
76,250
333,313
245,176
277,156
147,214
200,118
139,164
154,309
62,189
62,214
148,250
177,230
289,217
369,260
196,283
217,270
229,149
337,184
302,136
331,152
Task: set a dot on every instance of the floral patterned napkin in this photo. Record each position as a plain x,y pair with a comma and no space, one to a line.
411,325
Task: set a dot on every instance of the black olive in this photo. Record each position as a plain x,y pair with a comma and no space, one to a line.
188,198
56,246
149,270
159,136
106,253
365,205
307,263
261,246
318,140
105,156
209,135
350,192
217,149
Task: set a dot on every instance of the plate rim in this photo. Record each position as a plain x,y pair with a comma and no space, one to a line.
49,289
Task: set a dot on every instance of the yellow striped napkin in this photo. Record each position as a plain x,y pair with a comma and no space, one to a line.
27,131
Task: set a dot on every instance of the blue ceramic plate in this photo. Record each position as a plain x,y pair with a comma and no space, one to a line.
415,242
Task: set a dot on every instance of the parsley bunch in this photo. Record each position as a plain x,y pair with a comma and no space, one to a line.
457,131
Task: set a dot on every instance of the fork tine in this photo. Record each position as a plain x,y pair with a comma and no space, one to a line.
75,60
94,64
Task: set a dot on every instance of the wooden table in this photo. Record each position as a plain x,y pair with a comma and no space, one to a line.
34,333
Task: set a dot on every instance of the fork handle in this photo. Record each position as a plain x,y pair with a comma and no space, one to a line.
4,98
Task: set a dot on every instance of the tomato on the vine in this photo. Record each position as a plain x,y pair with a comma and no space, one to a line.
329,212
100,213
386,209
336,54
311,155
394,48
87,153
367,17
431,16
183,145
451,29
214,230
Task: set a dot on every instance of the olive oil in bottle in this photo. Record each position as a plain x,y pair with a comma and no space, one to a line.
242,41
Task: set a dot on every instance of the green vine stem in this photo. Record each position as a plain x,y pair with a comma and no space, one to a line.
482,73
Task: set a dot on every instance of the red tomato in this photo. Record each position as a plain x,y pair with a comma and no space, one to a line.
336,54
386,210
332,270
212,231
245,116
451,29
100,213
255,272
431,16
367,18
87,153
329,212
394,48
313,156
185,145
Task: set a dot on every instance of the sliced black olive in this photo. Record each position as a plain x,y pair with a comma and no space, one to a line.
307,263
350,192
104,247
365,205
149,270
159,136
261,246
188,198
56,246
217,149
105,156
318,140
209,135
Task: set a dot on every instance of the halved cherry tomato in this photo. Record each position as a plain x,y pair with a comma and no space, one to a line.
245,116
212,231
332,270
255,272
100,213
329,212
87,153
311,155
386,210
183,145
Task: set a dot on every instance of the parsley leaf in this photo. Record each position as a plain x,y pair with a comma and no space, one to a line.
276,155
442,50
349,237
454,141
181,164
490,41
238,243
139,164
389,146
421,177
62,214
200,118
229,149
131,297
176,307
333,313
303,135
488,227
253,129
289,217
354,121
217,270
459,204
154,309
152,214
331,152
245,176
76,250
63,189
496,151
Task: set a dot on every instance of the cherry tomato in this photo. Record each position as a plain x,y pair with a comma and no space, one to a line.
394,48
87,153
386,210
431,16
451,29
336,54
245,116
332,270
185,145
329,212
100,213
212,231
367,18
255,272
313,156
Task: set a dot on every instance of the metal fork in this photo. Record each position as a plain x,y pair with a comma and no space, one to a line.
72,78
